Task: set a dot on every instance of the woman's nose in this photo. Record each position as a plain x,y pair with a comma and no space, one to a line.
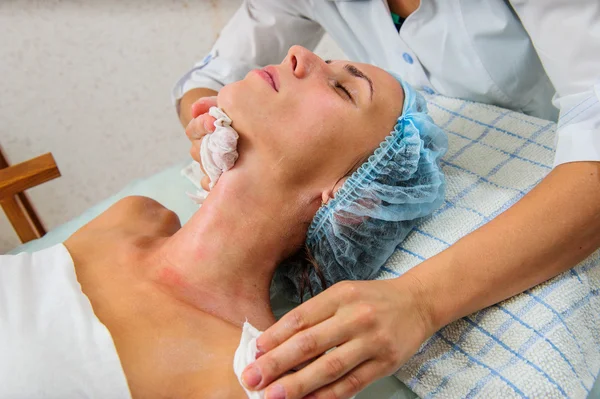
304,62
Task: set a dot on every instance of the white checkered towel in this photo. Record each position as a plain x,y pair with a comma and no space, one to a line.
544,343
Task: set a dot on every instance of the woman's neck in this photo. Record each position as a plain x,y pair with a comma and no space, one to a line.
222,261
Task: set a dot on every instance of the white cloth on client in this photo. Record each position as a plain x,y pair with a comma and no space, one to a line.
52,345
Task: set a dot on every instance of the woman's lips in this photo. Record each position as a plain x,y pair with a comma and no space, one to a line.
270,75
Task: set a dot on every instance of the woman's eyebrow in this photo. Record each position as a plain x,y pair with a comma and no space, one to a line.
354,71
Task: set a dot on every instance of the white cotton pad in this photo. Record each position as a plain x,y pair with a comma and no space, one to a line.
246,354
218,151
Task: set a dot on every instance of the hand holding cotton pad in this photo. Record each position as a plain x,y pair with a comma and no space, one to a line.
218,151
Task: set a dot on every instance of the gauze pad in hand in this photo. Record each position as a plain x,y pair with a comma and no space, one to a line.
218,151
246,354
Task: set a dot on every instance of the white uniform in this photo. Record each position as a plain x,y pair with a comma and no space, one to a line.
511,55
52,345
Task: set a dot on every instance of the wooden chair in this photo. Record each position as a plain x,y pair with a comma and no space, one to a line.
14,180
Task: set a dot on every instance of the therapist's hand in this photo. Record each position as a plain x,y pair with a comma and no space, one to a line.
201,125
374,326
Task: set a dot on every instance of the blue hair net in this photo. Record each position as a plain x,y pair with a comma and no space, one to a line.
353,235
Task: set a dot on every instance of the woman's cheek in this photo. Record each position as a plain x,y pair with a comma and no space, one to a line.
328,101
225,99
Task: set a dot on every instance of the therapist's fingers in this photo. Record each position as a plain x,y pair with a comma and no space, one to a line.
303,346
195,152
205,183
200,127
351,384
310,313
322,372
202,105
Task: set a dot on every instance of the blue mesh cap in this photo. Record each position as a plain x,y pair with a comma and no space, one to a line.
353,235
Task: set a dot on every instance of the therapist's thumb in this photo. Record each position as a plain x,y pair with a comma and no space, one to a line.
202,105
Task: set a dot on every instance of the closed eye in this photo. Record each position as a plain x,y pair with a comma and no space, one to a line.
352,70
343,88
340,87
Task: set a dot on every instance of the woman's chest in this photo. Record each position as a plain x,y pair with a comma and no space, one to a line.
166,348
179,357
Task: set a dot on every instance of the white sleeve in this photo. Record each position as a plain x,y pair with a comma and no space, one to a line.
566,35
259,33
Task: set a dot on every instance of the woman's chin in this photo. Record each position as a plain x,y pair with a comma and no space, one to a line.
227,98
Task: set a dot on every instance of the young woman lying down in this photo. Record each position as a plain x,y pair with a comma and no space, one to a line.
336,162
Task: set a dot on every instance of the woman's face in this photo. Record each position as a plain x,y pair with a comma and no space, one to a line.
315,120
